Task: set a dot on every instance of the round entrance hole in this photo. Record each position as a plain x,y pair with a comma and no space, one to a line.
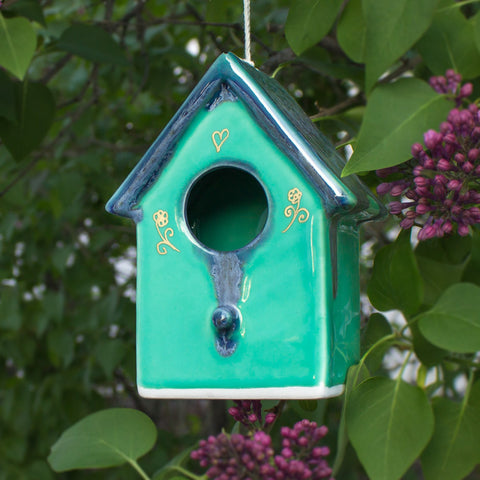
226,208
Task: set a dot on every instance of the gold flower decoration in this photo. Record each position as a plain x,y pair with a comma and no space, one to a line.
160,218
294,210
294,195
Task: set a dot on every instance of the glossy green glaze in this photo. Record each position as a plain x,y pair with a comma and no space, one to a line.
247,247
285,296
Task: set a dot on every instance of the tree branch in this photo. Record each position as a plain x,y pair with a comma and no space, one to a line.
359,99
55,68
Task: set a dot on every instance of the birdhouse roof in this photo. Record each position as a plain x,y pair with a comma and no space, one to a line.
280,117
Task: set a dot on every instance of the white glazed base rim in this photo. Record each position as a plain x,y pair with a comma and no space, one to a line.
273,393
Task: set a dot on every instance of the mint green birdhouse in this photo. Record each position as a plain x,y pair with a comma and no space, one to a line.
247,247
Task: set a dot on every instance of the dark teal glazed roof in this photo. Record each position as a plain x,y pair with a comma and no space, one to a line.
279,116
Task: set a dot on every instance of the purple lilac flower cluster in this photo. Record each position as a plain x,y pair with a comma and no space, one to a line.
239,457
439,188
249,413
451,84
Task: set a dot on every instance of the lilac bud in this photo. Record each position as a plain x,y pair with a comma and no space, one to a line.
443,165
450,138
234,412
454,185
446,127
475,214
428,163
270,418
417,149
317,452
385,172
287,452
476,133
474,196
467,167
473,109
451,74
465,117
303,441
447,227
417,170
397,190
463,229
466,90
459,158
473,154
432,139
454,117
407,223
428,231
411,194
252,418
395,208
422,209
440,180
422,191
421,181
384,188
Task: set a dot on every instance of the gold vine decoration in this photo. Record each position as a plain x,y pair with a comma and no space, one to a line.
160,218
294,210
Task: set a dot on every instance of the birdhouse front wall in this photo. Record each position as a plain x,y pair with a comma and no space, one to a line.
284,288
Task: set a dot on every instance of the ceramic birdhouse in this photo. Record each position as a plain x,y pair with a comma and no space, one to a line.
247,247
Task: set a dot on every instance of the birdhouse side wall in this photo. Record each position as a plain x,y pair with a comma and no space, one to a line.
346,305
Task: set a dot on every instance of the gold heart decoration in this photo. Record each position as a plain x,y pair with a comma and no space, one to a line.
218,138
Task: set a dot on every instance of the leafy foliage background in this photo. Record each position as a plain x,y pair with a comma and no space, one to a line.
85,88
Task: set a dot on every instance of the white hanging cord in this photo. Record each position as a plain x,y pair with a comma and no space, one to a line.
246,20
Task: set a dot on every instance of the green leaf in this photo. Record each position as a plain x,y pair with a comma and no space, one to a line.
18,41
450,43
472,269
352,31
109,354
319,60
223,11
476,29
104,439
377,328
309,21
92,43
426,352
308,405
396,116
393,26
7,98
396,281
454,449
441,262
60,347
355,375
453,322
10,316
30,9
36,112
170,469
389,423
